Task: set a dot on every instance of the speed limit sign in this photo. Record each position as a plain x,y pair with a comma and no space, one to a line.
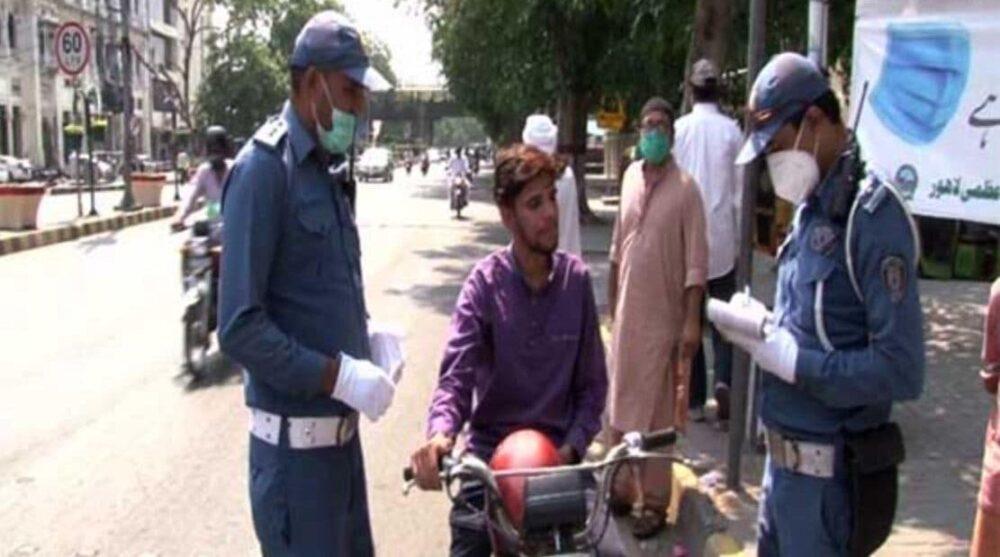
72,48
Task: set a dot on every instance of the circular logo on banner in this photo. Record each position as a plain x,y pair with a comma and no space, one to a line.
72,48
907,180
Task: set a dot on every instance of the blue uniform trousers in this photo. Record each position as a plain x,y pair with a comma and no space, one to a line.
804,515
309,502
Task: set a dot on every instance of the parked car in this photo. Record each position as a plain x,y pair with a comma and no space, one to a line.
16,170
375,162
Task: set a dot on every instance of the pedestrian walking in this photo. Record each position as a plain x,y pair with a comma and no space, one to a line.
292,308
986,535
706,148
541,132
659,263
525,347
847,337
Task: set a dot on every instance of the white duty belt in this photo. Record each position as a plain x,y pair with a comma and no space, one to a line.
304,432
803,457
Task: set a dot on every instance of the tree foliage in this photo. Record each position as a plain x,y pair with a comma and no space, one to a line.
505,59
248,62
246,84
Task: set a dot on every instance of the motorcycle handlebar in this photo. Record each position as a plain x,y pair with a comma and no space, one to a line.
443,463
658,439
647,442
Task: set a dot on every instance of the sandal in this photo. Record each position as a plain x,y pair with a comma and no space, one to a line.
651,522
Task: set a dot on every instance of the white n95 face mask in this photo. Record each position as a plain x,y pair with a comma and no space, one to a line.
794,173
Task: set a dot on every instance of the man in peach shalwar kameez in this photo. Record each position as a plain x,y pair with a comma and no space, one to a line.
659,265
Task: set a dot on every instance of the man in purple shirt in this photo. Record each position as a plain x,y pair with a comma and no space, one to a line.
525,349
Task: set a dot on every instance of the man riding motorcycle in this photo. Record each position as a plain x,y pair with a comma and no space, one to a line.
201,253
458,181
209,177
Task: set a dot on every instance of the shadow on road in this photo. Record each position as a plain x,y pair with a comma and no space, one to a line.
92,243
481,192
457,261
945,427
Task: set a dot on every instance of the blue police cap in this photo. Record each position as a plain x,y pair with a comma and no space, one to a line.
785,86
329,41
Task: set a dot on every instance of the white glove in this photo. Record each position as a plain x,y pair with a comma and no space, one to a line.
753,307
363,386
777,354
742,320
387,349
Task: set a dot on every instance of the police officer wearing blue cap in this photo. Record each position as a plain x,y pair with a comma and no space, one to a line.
847,335
292,309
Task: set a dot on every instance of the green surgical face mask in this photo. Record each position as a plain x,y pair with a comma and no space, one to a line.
655,146
338,139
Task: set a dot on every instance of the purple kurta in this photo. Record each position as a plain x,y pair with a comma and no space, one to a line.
522,359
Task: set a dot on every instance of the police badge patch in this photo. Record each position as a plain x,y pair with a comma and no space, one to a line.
822,239
894,277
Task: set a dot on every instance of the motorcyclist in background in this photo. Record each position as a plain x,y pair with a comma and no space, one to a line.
209,177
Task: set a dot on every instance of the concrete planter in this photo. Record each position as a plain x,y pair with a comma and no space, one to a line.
19,205
147,187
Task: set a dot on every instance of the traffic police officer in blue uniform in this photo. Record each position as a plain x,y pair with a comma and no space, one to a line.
292,308
847,335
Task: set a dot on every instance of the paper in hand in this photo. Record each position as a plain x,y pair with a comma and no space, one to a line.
749,320
387,349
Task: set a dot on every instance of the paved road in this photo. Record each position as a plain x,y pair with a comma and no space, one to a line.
105,450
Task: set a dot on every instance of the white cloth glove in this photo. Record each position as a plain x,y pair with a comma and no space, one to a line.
364,386
753,307
387,349
777,354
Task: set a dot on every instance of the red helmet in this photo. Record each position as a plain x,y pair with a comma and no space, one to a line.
525,448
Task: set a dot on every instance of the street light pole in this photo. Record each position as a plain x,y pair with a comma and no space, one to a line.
173,143
90,152
819,16
79,185
128,199
742,370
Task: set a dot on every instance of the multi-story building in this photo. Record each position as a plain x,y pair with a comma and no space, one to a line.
38,101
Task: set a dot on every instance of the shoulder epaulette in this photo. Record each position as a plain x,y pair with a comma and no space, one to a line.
271,133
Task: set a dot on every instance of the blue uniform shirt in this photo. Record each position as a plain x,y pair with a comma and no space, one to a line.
291,291
856,354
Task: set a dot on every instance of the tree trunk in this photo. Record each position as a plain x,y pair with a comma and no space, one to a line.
188,53
709,38
572,118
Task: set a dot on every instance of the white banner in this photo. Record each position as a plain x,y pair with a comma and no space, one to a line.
931,118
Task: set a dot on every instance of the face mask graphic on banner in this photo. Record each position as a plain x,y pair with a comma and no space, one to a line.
923,77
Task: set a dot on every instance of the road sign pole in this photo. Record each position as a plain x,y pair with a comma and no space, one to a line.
72,46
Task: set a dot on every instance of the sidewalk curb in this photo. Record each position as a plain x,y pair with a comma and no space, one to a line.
74,231
71,190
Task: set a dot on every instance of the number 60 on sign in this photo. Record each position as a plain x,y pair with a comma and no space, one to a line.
72,47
